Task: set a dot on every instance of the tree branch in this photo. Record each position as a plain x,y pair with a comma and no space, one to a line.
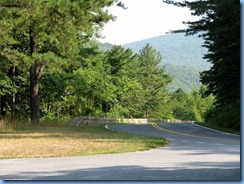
41,70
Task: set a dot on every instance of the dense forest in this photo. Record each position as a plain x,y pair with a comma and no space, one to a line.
51,68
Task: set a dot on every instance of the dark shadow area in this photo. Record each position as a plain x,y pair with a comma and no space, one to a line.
192,172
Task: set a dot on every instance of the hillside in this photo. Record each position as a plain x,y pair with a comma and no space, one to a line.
182,58
186,78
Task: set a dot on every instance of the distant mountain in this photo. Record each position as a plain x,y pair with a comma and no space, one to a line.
176,49
182,58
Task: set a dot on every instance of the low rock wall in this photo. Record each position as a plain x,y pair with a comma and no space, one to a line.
88,120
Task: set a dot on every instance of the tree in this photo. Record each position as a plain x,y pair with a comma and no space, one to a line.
13,83
93,84
153,79
181,106
192,106
219,25
122,67
39,32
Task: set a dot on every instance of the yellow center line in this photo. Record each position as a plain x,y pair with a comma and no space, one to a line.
190,135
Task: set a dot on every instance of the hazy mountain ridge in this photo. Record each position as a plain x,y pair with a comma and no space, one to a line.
182,58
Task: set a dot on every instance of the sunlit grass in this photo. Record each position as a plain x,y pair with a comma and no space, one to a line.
65,140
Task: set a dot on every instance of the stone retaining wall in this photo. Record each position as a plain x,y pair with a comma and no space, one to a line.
87,120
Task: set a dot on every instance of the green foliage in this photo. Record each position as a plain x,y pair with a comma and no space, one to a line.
224,52
13,85
37,33
192,106
93,86
153,79
224,116
122,64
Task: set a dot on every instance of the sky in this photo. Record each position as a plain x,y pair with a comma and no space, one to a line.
143,19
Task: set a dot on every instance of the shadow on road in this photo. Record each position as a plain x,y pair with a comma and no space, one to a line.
197,171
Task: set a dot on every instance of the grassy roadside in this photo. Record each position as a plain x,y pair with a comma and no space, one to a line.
65,140
216,127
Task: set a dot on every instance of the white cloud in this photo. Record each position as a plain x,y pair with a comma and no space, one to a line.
143,19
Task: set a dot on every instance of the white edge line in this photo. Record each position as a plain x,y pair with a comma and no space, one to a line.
215,130
106,126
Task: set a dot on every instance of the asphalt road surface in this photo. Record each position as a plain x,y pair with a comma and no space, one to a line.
195,153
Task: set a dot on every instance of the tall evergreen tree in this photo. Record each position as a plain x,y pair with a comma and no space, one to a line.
153,79
219,25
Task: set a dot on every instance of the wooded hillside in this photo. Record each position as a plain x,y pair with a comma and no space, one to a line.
182,58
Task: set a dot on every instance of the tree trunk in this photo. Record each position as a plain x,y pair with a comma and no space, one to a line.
35,76
34,92
146,111
34,95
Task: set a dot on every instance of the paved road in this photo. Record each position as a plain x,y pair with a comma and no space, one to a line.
195,153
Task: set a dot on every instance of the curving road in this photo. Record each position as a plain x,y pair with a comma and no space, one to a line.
195,153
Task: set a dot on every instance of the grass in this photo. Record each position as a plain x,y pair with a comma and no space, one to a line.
216,127
64,140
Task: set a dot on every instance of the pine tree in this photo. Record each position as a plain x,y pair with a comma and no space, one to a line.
153,79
